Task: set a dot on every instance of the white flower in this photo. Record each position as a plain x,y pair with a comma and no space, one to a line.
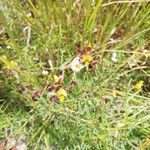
76,64
52,93
114,57
44,72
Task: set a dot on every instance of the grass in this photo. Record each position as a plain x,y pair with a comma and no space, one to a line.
104,110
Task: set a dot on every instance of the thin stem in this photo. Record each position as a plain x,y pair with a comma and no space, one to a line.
123,2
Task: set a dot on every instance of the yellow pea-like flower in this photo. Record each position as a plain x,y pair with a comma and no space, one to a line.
87,59
89,45
62,99
56,78
61,93
139,85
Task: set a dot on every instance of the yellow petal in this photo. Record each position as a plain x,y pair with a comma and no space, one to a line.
86,63
87,59
139,85
89,45
62,98
61,92
13,63
10,64
56,78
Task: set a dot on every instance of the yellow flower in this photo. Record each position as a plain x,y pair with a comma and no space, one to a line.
86,59
89,45
13,63
61,93
10,64
139,85
56,78
88,48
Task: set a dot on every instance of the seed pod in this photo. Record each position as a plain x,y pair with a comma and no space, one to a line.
93,64
106,98
88,48
54,99
36,95
23,88
69,88
54,86
50,87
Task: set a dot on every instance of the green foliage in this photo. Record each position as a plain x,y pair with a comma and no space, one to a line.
103,110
